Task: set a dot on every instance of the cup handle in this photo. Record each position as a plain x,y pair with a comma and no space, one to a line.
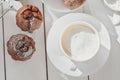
64,76
43,0
73,67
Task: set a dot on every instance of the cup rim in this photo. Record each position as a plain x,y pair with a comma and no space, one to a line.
90,26
66,11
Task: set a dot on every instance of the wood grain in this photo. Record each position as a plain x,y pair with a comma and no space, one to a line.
2,68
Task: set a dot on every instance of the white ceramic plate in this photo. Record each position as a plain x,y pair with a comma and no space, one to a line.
53,5
61,62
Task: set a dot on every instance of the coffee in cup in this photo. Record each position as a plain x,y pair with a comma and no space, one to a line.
79,41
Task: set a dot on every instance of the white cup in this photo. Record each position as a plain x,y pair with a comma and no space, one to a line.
79,41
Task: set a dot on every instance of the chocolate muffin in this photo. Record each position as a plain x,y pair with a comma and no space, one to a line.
72,4
21,47
28,18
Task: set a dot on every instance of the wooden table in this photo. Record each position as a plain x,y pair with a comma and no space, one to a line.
39,66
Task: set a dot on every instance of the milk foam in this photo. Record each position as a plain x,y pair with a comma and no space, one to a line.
80,41
83,43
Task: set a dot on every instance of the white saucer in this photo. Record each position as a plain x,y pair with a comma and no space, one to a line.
61,62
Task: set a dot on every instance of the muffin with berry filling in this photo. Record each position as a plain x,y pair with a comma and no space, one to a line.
21,47
28,18
72,4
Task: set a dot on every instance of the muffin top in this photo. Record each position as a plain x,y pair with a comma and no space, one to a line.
21,47
29,18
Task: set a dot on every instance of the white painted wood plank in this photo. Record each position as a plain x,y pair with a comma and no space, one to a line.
111,70
1,51
54,73
33,69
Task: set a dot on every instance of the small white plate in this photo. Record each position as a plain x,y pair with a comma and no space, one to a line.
61,62
58,6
